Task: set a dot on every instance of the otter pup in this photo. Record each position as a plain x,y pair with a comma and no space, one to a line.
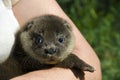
44,42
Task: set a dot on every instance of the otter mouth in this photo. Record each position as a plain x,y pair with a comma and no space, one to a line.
48,58
51,59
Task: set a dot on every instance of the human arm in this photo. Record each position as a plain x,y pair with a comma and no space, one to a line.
25,10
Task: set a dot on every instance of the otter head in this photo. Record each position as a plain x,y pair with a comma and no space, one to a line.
47,39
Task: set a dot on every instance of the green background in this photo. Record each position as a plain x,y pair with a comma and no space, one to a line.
99,22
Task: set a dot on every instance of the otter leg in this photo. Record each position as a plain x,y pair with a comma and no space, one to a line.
73,62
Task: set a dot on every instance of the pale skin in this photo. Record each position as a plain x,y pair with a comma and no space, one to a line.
25,10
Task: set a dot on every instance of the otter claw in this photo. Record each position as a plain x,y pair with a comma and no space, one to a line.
88,68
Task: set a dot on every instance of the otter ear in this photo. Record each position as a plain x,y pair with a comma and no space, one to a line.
28,26
68,26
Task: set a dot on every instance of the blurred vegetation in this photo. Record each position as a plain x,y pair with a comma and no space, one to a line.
99,22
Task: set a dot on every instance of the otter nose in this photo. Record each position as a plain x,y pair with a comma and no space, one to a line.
50,51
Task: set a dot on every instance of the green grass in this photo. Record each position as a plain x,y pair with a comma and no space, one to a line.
99,22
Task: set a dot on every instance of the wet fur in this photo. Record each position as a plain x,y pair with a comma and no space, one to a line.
28,56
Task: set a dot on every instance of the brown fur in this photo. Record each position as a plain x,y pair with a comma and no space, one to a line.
44,42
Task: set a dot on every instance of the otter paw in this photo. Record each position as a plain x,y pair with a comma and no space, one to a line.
88,68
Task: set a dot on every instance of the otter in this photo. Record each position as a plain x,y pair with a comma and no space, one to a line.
44,42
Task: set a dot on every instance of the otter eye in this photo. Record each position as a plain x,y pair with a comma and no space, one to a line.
61,39
39,40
